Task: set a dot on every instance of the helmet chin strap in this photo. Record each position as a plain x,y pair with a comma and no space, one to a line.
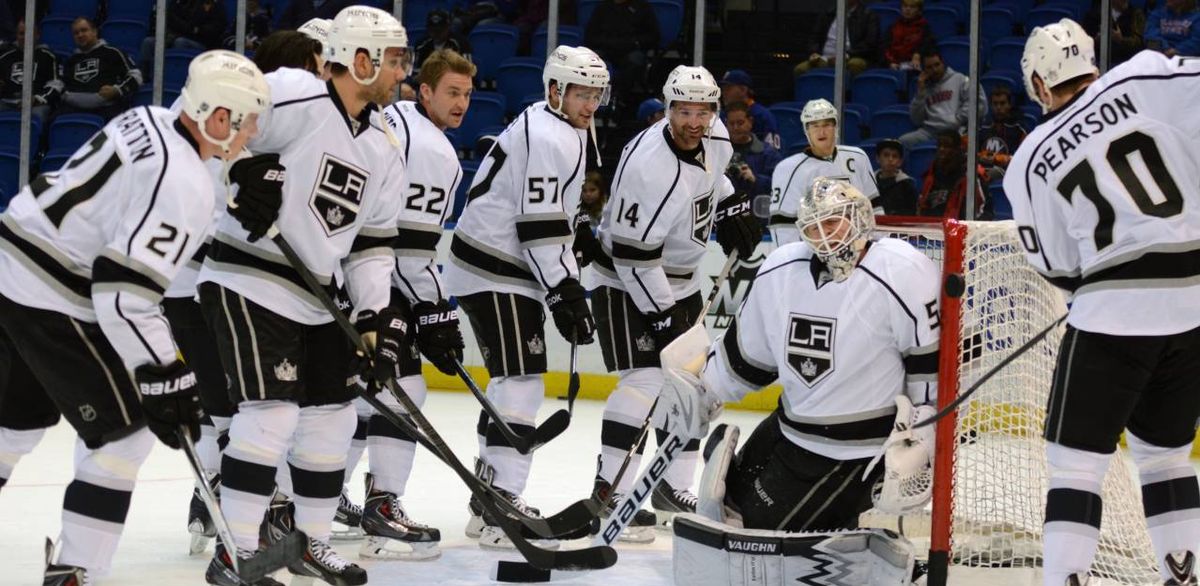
562,99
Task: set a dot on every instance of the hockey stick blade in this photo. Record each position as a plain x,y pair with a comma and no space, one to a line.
540,436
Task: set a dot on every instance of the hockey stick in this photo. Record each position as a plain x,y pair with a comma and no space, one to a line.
963,396
252,569
590,558
573,378
548,430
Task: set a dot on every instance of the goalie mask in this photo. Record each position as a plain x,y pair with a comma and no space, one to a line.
836,220
367,29
223,79
1056,53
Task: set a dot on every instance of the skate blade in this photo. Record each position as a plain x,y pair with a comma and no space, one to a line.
664,520
302,580
637,535
494,539
382,548
199,542
344,533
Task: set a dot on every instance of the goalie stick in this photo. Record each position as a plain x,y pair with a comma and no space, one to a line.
596,557
254,568
554,425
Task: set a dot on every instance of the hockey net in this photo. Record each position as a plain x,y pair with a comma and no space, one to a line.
989,501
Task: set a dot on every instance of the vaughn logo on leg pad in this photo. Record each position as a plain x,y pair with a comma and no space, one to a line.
810,347
337,194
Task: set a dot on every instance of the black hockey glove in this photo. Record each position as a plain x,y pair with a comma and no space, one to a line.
438,335
667,325
737,227
586,246
386,332
170,398
260,193
572,316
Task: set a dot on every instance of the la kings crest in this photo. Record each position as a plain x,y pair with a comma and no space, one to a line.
86,69
810,347
702,212
338,194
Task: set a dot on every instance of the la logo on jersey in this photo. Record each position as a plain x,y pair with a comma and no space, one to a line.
87,70
810,347
702,209
337,194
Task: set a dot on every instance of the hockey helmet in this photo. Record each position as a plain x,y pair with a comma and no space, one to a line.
819,109
691,83
837,248
574,65
317,29
1056,53
223,79
366,28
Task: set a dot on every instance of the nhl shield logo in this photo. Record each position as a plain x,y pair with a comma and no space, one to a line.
702,211
810,347
337,194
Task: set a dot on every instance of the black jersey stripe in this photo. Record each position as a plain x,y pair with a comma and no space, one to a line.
533,230
107,270
661,204
1149,266
913,317
299,101
409,239
605,262
224,253
81,286
625,161
864,429
740,365
921,363
482,260
363,242
788,186
782,220
58,210
621,251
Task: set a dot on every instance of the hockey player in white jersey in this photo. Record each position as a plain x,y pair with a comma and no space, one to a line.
86,254
512,250
654,231
325,177
1104,193
822,158
848,324
433,177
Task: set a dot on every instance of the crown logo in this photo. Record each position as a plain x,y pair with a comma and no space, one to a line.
285,371
644,343
335,217
536,345
808,367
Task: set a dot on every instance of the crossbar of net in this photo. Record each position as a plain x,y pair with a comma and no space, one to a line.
1000,470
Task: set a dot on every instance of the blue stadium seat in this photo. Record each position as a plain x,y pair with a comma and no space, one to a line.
491,44
864,113
1030,120
175,67
517,78
10,176
876,89
943,20
125,35
918,159
1077,8
794,147
460,197
791,129
1043,15
53,162
10,133
69,131
1001,208
960,7
415,11
531,99
851,127
996,77
74,8
887,16
868,146
416,33
996,22
137,10
1006,54
145,94
956,53
56,32
891,122
583,11
669,14
817,83
1019,7
567,35
487,109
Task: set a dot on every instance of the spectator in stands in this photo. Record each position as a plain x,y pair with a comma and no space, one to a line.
907,36
1172,29
736,86
942,101
650,111
897,191
258,26
593,196
753,159
1000,136
1128,29
621,32
299,12
46,84
97,78
945,183
198,25
862,40
440,36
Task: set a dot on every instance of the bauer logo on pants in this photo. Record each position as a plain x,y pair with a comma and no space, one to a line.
810,347
337,194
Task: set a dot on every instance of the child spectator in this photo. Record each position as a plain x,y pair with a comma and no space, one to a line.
907,36
897,190
1000,136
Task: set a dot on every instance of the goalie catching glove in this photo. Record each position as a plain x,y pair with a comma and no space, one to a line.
438,335
907,454
384,335
170,399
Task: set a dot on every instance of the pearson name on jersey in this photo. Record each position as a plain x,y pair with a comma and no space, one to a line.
338,210
794,175
1104,193
515,233
842,350
100,239
655,228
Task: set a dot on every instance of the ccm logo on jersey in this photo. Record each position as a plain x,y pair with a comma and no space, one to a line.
810,347
438,318
168,386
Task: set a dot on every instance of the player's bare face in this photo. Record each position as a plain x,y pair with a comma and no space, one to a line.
448,102
219,127
690,122
581,103
822,135
392,71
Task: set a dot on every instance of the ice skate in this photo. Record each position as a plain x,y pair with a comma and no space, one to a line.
640,530
321,561
200,524
61,574
668,502
279,520
390,533
1182,566
220,570
492,536
347,521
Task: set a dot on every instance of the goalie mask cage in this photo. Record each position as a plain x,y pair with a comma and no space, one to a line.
990,471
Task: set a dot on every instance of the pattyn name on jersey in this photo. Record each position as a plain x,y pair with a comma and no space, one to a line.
1054,150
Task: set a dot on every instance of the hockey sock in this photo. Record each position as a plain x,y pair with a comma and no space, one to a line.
682,473
625,412
317,463
517,398
1073,511
258,439
15,443
389,448
358,443
212,430
1170,497
97,500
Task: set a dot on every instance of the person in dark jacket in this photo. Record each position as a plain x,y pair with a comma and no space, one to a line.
944,188
897,190
46,84
737,86
1000,136
1128,29
903,42
97,78
299,12
621,32
191,24
862,40
753,160
439,36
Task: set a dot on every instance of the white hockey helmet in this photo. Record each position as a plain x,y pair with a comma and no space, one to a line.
223,79
818,109
363,28
1057,53
574,65
317,29
690,83
831,198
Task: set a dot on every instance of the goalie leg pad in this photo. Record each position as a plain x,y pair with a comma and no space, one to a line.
709,553
718,456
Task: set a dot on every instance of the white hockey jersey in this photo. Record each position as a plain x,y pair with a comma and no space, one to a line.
842,351
184,283
793,178
1105,197
433,176
101,239
515,233
339,209
654,230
